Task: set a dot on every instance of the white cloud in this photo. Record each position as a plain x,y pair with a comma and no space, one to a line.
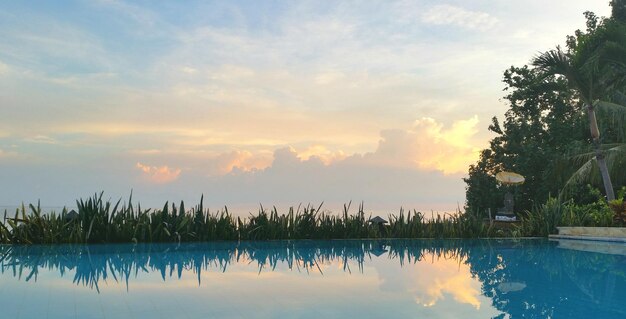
329,77
452,15
41,139
188,70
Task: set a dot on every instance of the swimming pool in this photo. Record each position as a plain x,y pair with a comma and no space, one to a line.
316,279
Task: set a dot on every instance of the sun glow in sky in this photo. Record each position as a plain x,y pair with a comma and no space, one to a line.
247,102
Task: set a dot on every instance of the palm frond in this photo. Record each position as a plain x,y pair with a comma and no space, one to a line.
583,174
553,62
616,161
557,62
614,116
609,63
615,53
615,156
609,53
619,97
603,56
581,159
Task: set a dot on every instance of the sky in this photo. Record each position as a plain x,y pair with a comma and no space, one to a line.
260,102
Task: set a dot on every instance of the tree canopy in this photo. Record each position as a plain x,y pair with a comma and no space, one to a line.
545,132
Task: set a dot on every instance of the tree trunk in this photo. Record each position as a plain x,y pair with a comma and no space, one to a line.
604,170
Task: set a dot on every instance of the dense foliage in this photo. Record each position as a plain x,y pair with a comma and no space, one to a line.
545,134
543,123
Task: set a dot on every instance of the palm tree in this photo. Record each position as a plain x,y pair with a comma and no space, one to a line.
596,69
614,154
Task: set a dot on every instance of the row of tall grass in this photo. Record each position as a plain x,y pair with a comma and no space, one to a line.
101,221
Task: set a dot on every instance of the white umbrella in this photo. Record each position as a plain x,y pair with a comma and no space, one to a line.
510,178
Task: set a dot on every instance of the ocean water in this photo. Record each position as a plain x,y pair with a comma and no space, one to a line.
316,279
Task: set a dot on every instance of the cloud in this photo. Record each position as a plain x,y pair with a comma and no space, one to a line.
322,153
159,174
206,162
434,279
240,161
4,154
329,77
140,15
188,70
450,278
35,45
456,16
328,80
428,145
41,139
292,179
396,172
4,69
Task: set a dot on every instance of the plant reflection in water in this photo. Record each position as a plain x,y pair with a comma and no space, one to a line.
523,278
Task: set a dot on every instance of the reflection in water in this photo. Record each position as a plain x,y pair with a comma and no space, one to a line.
93,263
537,280
522,279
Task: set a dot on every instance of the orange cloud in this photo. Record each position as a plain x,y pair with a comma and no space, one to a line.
240,160
246,161
159,174
451,149
325,155
431,281
430,146
427,145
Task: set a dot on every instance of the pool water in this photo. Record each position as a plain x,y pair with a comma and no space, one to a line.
316,279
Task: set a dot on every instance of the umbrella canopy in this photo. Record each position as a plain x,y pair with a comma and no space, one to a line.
510,178
377,220
378,251
71,215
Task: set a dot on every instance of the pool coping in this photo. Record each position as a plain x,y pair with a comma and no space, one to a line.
589,238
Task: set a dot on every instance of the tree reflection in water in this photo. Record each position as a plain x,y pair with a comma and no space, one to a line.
524,279
550,282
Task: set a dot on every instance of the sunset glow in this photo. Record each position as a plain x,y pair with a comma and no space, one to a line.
383,102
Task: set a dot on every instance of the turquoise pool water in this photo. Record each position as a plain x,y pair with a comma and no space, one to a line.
316,279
